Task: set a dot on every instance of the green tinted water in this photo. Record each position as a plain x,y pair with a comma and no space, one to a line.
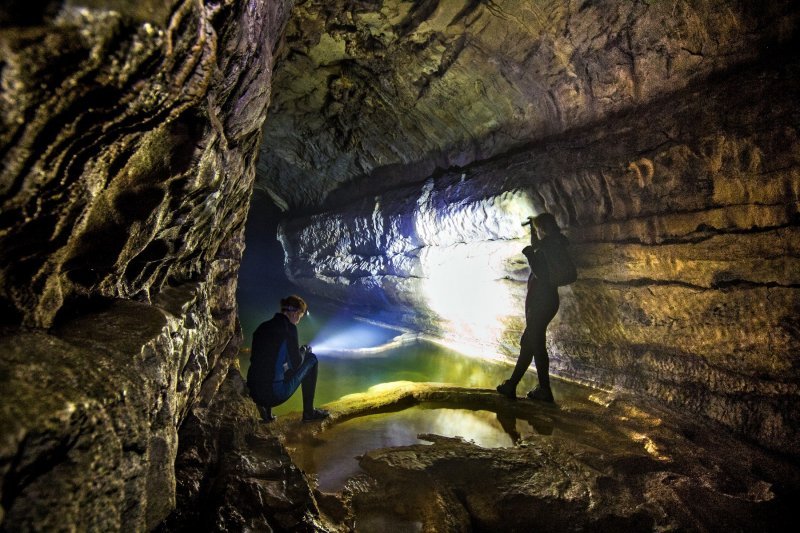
332,456
418,361
421,361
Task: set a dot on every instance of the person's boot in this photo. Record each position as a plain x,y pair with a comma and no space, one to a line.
543,394
266,414
315,415
508,389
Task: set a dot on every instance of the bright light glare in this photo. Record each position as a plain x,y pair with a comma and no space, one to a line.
464,285
467,264
345,338
347,343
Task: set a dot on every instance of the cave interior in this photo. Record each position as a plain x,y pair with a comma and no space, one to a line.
380,156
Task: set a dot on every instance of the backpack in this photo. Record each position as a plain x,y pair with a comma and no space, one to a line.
560,266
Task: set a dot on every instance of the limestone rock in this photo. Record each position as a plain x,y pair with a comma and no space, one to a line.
234,474
127,154
127,135
373,94
90,415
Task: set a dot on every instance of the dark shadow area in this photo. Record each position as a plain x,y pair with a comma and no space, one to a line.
27,12
262,281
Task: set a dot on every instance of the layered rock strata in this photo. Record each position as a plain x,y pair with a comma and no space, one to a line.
383,93
128,137
683,218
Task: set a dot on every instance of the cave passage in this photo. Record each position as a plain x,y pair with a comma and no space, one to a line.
380,157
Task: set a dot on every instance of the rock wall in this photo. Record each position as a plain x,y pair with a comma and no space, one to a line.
382,93
128,138
683,214
234,473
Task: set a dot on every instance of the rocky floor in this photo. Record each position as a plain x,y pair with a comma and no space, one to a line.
595,461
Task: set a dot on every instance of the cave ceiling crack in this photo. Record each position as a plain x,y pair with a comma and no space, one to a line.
498,12
471,11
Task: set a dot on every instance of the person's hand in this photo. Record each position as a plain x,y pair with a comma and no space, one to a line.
310,356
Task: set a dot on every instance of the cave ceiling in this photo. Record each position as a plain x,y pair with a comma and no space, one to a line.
372,94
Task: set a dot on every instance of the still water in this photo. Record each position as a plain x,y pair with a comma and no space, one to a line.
351,360
354,356
332,456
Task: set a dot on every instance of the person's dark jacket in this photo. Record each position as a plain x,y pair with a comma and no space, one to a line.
268,354
540,288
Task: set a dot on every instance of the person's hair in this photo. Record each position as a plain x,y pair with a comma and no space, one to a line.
293,303
547,223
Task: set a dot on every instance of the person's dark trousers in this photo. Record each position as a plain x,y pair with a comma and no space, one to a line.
309,385
533,345
306,376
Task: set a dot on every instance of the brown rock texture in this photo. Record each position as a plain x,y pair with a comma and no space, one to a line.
592,462
90,416
395,90
234,473
673,164
128,137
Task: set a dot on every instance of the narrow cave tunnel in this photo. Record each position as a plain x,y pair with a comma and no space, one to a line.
378,158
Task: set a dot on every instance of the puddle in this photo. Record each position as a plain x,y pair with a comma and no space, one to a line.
331,456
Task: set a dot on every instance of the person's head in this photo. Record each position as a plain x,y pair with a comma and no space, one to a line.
546,224
294,308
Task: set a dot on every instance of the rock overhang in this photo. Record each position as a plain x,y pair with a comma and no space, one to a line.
389,92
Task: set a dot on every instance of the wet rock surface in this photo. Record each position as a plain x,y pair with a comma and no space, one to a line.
127,140
597,462
233,473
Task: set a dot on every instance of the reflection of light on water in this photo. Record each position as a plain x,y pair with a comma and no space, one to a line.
466,264
337,336
340,345
479,427
333,460
418,362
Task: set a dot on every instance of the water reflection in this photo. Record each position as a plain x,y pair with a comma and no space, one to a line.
333,456
510,424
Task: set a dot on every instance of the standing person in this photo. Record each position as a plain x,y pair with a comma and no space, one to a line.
278,365
541,305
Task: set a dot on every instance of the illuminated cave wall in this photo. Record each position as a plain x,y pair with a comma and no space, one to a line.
662,135
128,138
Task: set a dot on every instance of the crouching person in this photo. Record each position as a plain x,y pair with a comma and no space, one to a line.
278,365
